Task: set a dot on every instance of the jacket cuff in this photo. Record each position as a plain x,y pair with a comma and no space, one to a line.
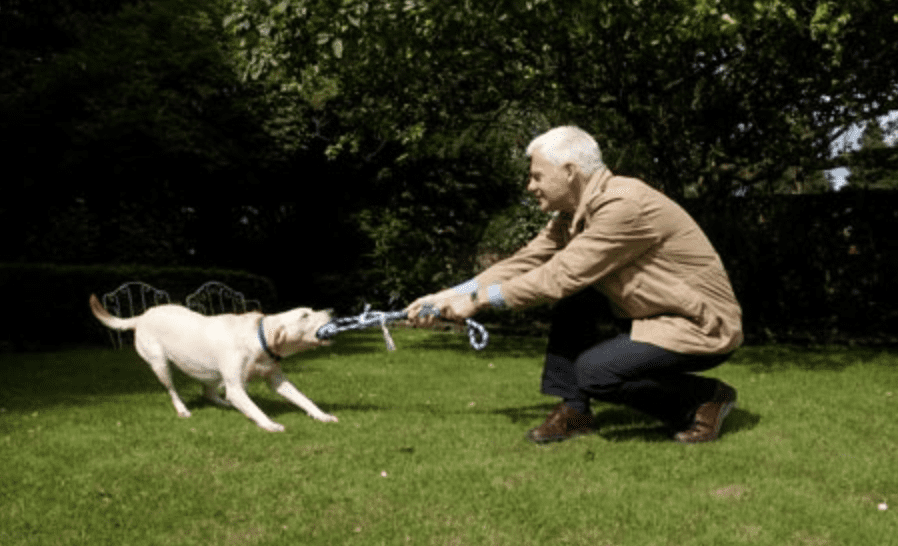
494,293
468,287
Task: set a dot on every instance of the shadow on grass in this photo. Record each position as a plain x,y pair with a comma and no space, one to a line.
776,358
620,424
760,359
526,414
505,346
613,423
441,338
72,378
354,343
81,377
273,406
371,340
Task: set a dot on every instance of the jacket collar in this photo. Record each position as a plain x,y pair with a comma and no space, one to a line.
596,185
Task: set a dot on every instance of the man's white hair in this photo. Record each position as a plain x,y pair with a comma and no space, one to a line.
568,144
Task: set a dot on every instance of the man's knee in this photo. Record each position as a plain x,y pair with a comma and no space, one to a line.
595,379
605,368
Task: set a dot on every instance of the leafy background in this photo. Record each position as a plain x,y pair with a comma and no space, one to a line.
379,145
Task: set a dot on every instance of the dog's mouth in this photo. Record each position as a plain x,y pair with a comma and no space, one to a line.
312,336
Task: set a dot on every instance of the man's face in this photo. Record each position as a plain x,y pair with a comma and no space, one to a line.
552,184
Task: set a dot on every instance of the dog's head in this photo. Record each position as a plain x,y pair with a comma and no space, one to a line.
295,331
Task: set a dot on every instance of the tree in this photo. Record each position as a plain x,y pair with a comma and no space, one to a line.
875,164
412,114
695,96
126,102
682,92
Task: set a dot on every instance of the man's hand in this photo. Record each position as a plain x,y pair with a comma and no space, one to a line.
449,304
459,308
434,301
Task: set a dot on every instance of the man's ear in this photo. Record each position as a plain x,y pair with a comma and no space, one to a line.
571,170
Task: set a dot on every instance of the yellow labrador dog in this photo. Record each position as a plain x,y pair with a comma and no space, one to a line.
224,350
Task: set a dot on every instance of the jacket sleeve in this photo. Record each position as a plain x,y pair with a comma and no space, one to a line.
537,252
615,235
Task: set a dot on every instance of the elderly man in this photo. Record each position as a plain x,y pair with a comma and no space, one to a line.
615,237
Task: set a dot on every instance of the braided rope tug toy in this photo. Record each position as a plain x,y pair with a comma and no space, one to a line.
477,334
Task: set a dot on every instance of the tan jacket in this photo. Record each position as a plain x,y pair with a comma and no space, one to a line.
640,249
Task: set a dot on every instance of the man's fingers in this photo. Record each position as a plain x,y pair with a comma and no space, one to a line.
424,311
418,314
422,322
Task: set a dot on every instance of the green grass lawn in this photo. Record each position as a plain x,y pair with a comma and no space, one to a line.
431,449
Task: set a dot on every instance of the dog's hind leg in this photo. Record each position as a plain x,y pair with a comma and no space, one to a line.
155,357
210,392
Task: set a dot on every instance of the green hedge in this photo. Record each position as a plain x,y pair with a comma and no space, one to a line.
816,268
47,305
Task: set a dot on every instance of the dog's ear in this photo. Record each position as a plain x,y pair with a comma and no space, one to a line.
278,339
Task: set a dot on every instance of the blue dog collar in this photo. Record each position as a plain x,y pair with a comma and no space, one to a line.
264,343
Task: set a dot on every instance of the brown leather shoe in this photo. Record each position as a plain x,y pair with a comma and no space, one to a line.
709,416
562,423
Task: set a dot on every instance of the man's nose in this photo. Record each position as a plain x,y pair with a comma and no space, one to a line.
531,186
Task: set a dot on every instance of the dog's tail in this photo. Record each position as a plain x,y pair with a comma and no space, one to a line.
109,320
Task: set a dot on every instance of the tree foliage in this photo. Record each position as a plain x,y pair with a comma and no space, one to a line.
875,164
125,104
148,81
702,98
399,125
702,95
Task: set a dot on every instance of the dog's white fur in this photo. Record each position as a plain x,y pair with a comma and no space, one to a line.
223,350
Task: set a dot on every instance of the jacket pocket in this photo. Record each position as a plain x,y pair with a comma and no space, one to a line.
647,297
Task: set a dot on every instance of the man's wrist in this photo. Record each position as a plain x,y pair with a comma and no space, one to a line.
489,298
479,300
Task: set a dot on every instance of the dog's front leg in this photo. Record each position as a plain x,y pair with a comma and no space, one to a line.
236,395
279,384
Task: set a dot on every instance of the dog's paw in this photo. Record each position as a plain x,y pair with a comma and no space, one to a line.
325,418
184,414
273,427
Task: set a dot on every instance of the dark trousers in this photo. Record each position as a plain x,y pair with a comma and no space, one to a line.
584,363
